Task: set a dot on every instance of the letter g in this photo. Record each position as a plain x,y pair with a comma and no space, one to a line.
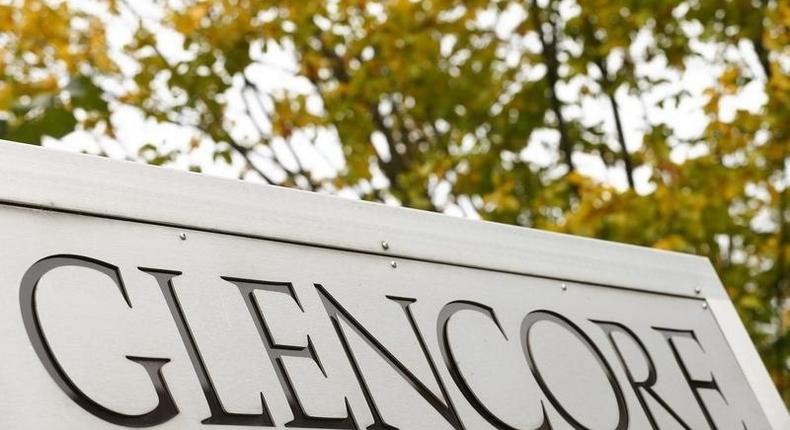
165,408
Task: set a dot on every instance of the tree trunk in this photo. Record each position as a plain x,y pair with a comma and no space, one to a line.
548,44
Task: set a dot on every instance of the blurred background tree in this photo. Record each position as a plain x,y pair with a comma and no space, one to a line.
653,122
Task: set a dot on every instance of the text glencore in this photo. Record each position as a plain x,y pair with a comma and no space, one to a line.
340,317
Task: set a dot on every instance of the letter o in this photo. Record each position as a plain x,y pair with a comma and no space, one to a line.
553,317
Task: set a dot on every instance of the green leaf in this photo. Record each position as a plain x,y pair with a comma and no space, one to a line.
54,122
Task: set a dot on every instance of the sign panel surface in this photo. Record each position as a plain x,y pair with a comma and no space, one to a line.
160,311
334,339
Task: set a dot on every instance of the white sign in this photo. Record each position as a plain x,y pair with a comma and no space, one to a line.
133,296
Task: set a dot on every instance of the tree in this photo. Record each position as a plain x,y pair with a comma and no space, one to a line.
439,105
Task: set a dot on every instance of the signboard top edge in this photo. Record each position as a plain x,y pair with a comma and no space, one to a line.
91,185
